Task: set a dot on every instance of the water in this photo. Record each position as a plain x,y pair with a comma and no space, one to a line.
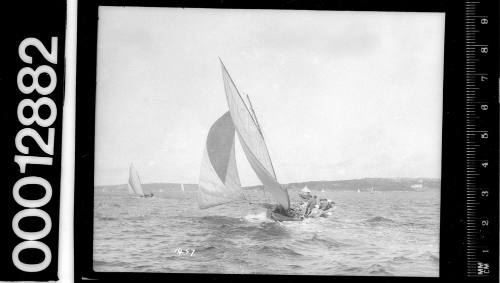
379,233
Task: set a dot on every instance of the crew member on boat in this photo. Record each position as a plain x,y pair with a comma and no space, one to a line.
321,209
311,204
324,204
300,207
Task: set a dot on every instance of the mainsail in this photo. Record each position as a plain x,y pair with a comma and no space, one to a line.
134,182
219,180
252,141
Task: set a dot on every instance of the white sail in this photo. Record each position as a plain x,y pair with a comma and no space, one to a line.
182,187
134,181
252,141
219,180
129,187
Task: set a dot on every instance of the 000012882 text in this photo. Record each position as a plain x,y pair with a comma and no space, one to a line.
32,207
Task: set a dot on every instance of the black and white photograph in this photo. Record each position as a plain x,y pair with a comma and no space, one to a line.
261,141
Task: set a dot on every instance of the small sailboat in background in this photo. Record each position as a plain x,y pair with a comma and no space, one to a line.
418,186
134,183
182,188
359,191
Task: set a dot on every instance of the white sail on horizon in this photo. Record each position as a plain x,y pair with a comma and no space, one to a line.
134,182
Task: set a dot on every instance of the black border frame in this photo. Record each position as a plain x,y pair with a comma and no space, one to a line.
41,20
452,255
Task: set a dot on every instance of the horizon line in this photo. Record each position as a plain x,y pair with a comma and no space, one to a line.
311,181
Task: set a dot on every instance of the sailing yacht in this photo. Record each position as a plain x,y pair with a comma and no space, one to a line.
219,181
134,183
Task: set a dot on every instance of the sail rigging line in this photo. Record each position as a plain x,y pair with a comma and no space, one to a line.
246,107
255,117
238,92
261,132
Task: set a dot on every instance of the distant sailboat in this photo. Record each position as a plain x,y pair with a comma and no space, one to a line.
359,191
134,183
418,186
219,180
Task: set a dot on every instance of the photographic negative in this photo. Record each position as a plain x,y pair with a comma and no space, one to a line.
268,141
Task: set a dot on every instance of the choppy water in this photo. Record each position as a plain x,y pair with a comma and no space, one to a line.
379,233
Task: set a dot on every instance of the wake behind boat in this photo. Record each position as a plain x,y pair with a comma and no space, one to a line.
219,181
134,183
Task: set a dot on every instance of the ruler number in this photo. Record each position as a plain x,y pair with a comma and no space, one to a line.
484,50
484,223
484,21
484,193
484,107
484,135
484,78
483,268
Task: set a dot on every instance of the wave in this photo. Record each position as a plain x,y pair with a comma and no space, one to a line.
411,224
379,219
319,243
216,219
137,217
330,243
107,218
429,256
102,263
352,270
278,251
400,259
204,249
257,218
377,269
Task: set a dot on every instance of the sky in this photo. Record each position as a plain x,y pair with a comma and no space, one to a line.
339,94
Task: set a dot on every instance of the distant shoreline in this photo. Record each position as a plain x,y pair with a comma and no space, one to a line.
363,185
